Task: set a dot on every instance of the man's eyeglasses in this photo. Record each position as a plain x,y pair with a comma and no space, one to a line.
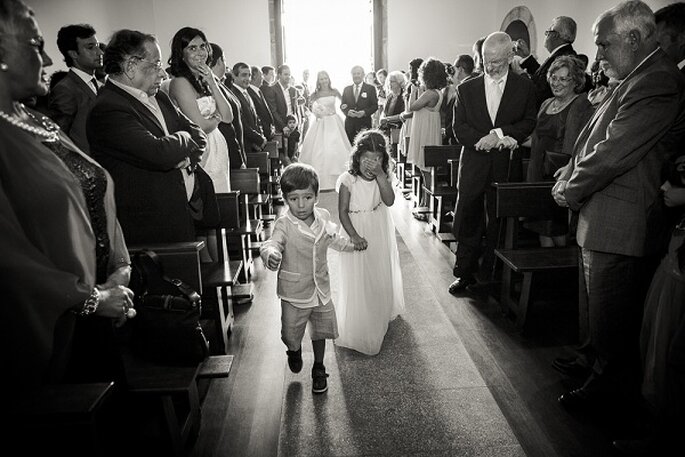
550,32
157,65
36,42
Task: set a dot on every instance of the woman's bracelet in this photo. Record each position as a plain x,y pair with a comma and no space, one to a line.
91,303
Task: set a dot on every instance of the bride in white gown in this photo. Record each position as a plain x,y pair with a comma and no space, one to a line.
325,146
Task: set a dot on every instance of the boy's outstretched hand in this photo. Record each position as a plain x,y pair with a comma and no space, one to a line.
274,260
360,243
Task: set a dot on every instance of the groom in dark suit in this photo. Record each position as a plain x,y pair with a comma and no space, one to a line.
359,102
492,113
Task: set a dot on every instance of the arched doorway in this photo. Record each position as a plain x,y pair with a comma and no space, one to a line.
519,24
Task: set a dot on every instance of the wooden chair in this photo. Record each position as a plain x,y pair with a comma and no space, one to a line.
261,161
180,260
521,199
248,182
439,191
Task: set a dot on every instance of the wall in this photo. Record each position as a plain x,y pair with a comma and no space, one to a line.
241,27
439,28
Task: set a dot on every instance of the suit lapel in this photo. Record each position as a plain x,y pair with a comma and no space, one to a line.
479,87
81,84
138,107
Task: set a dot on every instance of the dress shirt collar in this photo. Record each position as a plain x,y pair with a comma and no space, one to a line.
139,95
489,79
313,229
639,65
88,79
255,88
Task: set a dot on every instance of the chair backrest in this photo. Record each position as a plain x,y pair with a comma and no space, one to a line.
246,180
437,156
261,161
278,138
229,209
526,199
271,148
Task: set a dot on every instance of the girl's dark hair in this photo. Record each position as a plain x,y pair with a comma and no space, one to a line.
414,68
178,67
215,54
433,74
299,176
372,140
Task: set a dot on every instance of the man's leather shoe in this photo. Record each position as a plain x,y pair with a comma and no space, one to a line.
577,399
459,285
570,367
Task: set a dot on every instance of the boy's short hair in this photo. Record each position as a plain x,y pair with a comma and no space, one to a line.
299,176
289,118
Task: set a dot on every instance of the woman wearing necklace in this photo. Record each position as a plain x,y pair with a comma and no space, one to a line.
559,122
64,265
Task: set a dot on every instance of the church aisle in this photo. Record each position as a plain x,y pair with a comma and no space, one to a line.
452,378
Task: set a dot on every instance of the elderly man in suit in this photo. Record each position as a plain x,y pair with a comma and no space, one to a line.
149,147
359,102
253,137
613,182
493,112
559,40
70,100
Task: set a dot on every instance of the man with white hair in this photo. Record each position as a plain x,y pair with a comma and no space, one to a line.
613,182
493,112
558,41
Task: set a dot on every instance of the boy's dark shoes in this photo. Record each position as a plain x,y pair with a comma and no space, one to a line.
295,360
319,375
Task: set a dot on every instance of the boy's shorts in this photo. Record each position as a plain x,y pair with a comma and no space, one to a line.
323,324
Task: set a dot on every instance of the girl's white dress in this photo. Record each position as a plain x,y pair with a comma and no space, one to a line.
325,146
215,159
371,292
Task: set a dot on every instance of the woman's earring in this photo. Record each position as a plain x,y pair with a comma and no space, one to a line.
3,66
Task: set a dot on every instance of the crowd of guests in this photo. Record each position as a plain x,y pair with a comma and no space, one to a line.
126,147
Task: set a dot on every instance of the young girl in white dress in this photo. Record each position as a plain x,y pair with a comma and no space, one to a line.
325,146
370,279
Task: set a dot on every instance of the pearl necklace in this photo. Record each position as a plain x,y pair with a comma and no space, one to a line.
48,133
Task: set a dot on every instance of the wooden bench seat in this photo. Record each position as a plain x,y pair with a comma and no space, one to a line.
439,190
514,201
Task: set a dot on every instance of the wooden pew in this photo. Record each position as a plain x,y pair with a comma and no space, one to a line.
248,182
63,419
261,161
180,260
439,191
522,199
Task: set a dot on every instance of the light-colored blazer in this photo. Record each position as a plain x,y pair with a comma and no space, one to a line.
614,177
303,272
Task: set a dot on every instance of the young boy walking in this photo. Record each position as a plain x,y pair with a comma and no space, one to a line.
297,250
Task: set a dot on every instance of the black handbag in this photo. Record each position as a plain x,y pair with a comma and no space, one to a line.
166,329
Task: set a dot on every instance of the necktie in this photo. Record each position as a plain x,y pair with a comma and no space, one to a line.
94,82
493,102
356,92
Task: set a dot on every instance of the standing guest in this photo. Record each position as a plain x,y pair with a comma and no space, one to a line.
64,264
371,80
371,292
359,102
614,182
282,98
670,24
411,93
492,114
298,250
269,74
449,94
426,128
560,120
266,119
559,40
292,134
233,131
195,90
71,99
253,138
151,149
100,74
394,102
477,50
464,69
305,107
